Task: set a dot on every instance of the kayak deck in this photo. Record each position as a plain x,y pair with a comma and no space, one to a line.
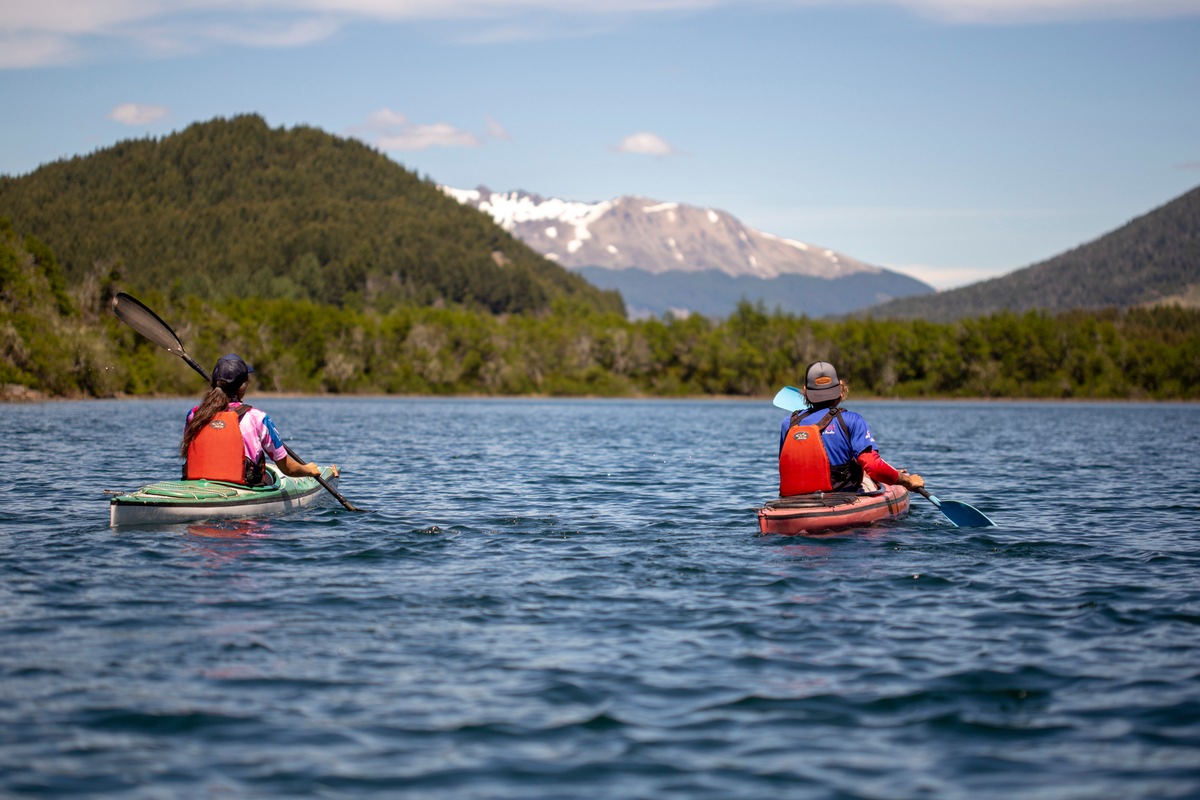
831,511
186,501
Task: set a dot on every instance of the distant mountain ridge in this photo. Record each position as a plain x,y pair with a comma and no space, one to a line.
633,231
715,293
1151,260
666,256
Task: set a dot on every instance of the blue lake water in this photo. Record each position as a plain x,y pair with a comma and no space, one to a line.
570,599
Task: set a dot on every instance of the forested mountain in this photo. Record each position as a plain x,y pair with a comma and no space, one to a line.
233,208
1153,259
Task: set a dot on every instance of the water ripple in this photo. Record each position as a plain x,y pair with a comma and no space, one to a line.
570,599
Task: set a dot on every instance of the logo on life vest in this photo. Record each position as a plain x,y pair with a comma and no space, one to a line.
800,436
217,423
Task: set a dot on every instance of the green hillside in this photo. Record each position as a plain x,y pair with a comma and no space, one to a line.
233,208
62,340
1151,260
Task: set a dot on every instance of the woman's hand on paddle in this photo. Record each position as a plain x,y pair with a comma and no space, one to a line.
911,481
314,471
301,469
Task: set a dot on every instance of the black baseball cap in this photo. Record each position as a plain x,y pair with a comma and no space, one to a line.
231,370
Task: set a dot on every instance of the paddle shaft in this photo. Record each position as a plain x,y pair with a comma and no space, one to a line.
929,497
191,362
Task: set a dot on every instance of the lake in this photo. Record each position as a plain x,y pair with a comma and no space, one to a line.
570,599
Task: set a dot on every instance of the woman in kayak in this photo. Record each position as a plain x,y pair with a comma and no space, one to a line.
825,448
227,440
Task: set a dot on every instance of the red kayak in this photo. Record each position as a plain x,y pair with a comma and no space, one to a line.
831,511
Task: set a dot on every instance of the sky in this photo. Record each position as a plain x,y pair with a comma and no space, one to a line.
952,140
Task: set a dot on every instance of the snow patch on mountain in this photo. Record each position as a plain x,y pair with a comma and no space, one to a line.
640,233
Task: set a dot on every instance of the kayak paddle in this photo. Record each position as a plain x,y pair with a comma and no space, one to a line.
960,515
136,315
789,399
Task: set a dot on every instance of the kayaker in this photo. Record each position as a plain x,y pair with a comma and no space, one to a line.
845,460
226,439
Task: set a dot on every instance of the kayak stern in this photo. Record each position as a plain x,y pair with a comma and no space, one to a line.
187,501
822,512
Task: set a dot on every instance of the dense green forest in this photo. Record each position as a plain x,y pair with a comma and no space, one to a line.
61,339
232,208
1152,260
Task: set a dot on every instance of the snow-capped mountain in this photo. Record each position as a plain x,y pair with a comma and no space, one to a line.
671,256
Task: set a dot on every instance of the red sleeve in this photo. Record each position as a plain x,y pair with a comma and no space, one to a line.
877,468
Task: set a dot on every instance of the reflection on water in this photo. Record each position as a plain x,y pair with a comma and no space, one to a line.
230,529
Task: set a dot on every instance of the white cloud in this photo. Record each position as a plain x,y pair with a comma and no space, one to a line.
136,114
20,51
391,130
644,143
979,10
78,16
48,32
290,34
153,27
419,137
1001,12
385,119
496,130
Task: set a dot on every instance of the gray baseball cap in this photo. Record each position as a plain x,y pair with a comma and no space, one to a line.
821,382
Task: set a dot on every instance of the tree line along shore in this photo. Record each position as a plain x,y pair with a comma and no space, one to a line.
62,341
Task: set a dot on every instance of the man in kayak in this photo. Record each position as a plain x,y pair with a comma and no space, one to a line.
227,440
825,448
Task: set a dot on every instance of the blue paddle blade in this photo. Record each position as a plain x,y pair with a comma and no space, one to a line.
789,399
965,516
960,515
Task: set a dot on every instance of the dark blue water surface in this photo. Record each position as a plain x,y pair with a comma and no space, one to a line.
570,599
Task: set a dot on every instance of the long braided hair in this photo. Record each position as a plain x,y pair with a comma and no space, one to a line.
216,401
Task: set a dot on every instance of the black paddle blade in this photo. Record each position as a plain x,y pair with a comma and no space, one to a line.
133,313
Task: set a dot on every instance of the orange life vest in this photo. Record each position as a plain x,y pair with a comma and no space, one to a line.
803,462
217,452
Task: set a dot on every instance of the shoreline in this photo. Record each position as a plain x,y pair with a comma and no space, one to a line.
15,394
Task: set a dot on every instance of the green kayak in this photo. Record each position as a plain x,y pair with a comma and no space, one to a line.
188,501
